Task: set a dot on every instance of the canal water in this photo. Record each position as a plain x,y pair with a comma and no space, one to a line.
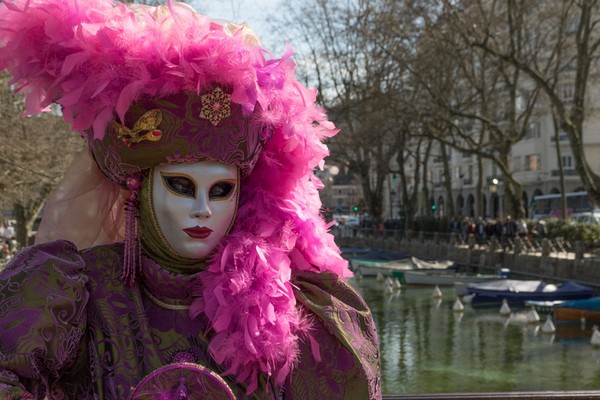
426,347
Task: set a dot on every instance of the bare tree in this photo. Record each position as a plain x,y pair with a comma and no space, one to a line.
356,83
570,34
34,153
483,107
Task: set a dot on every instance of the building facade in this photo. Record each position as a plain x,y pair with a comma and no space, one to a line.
534,163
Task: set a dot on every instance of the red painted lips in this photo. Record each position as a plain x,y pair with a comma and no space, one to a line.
198,232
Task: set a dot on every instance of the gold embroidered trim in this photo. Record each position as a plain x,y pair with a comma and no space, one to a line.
160,303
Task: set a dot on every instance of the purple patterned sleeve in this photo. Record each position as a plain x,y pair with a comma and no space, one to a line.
42,321
340,359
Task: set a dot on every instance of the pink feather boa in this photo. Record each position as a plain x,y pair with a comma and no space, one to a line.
95,59
246,291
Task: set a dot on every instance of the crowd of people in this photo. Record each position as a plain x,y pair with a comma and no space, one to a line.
504,229
8,243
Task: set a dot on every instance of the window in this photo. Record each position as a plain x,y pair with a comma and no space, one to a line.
468,180
566,91
562,135
567,161
573,25
533,130
458,172
533,162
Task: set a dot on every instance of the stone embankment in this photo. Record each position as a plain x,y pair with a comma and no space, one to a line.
523,258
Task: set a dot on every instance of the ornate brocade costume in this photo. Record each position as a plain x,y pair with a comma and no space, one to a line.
69,329
204,269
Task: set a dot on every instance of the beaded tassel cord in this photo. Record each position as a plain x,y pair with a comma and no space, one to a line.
133,247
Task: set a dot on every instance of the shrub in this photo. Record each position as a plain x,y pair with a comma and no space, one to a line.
587,234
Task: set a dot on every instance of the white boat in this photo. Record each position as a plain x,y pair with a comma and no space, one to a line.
367,268
395,268
431,264
443,277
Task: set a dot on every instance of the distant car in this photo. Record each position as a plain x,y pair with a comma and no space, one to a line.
353,221
348,220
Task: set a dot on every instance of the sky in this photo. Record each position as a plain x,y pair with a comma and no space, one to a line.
254,12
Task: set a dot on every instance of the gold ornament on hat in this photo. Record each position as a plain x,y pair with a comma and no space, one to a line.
145,128
215,106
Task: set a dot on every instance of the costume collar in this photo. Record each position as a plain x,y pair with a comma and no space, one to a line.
165,288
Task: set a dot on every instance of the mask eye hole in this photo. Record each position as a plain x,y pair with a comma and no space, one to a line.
221,190
180,185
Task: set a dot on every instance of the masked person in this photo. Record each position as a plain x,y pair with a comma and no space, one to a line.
183,256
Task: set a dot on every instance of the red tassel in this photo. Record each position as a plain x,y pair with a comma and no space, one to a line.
133,248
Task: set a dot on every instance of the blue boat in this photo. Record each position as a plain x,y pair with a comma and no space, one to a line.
520,291
575,310
593,304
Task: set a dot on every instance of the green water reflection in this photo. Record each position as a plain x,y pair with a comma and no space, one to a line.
426,347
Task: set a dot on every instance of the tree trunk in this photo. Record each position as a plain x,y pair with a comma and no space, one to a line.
448,181
514,199
25,217
480,209
513,191
410,198
561,174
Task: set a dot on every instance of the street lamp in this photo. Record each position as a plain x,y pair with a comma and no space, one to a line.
493,196
494,185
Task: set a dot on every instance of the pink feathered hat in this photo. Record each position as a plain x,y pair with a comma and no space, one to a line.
138,82
123,75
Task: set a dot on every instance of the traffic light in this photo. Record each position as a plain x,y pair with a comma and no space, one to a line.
355,208
532,204
433,207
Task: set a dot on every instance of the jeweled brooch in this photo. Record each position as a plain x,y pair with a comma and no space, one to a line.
145,128
215,106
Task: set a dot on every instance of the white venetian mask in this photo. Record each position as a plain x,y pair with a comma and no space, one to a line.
195,205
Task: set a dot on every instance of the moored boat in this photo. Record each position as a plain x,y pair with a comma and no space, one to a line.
386,268
388,263
575,310
431,264
443,277
519,291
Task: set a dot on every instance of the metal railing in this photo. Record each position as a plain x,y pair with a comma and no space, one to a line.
527,244
555,395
